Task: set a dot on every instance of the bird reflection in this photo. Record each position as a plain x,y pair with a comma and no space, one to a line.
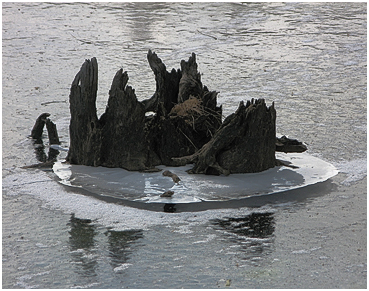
253,233
82,243
119,244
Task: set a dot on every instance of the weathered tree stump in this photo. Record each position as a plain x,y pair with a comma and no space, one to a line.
46,160
245,143
190,83
186,125
38,128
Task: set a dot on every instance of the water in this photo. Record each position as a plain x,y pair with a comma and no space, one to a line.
309,58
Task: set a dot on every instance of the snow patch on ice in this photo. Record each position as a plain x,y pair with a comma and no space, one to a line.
22,280
356,170
122,267
207,239
301,252
85,286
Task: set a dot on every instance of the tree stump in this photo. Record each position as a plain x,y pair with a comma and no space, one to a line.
245,143
38,128
186,125
36,134
190,83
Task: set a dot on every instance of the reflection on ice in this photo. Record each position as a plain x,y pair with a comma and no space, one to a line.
147,187
252,234
255,225
119,245
82,246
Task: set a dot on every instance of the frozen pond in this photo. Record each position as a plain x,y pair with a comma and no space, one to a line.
310,59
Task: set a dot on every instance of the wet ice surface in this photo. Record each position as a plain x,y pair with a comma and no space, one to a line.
303,170
309,58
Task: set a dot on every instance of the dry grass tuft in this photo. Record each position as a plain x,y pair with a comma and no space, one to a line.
188,108
195,114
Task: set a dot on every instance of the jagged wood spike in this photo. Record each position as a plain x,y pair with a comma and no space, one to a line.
84,125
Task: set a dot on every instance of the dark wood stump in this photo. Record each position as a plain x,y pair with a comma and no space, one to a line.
38,128
245,143
288,145
186,125
117,139
36,134
186,112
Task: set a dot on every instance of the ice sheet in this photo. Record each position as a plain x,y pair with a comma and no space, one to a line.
147,187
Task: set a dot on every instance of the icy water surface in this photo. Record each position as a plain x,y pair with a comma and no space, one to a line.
308,58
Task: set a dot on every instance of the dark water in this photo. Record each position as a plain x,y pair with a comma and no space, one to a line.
309,58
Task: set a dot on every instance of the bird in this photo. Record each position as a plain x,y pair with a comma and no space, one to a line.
175,178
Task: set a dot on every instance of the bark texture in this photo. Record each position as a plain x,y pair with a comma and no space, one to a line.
167,87
52,132
123,142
